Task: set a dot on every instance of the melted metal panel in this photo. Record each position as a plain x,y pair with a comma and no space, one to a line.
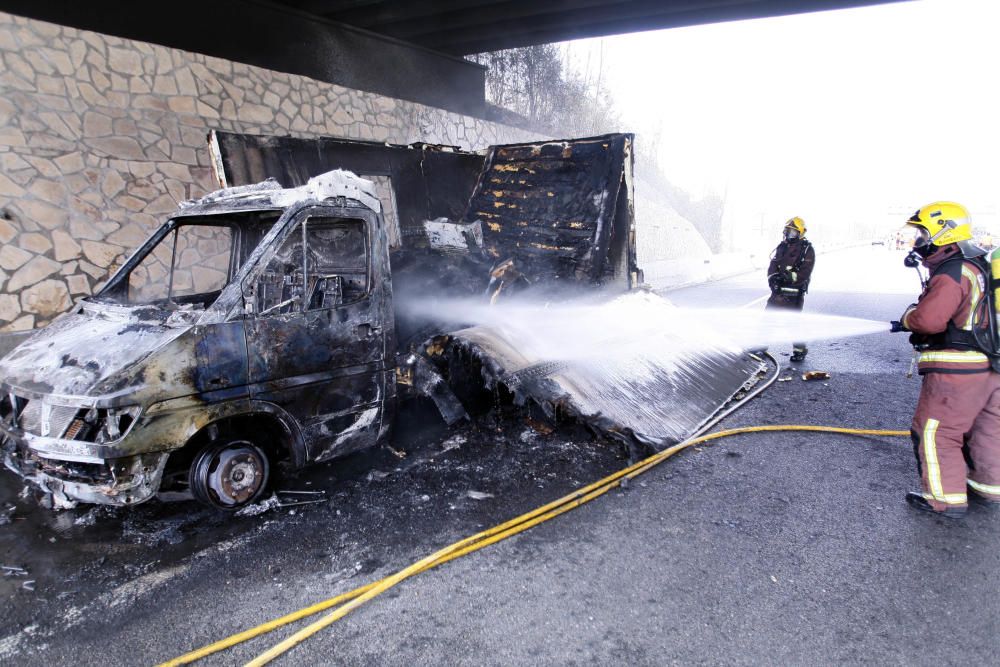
654,394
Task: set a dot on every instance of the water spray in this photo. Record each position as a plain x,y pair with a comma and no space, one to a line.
638,325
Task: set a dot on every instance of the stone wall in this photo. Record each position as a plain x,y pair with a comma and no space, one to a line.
101,137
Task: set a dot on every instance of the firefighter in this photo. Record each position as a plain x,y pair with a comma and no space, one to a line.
953,334
789,272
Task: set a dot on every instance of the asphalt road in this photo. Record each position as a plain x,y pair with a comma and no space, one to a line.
785,548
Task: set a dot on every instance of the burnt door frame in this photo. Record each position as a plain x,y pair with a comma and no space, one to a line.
325,366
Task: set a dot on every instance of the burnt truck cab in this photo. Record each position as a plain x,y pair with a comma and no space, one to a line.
255,326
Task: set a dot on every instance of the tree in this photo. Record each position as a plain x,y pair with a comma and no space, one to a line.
534,84
534,87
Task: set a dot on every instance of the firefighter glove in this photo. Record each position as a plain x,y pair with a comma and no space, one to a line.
902,318
920,341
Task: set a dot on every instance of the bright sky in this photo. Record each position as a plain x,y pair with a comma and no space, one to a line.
863,114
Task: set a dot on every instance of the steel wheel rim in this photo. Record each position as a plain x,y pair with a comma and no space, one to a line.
233,475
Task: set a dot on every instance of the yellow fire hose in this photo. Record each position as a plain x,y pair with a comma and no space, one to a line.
354,599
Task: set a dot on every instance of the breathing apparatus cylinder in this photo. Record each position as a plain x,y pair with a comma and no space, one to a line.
994,312
995,278
995,273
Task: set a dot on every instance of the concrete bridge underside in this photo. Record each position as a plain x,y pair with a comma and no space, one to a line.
399,48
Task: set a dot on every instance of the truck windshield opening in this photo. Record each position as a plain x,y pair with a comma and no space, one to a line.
193,262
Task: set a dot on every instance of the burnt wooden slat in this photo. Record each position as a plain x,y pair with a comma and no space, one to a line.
551,206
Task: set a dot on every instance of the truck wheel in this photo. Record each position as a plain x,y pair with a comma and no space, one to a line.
229,475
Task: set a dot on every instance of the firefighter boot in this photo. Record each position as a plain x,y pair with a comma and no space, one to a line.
799,352
916,500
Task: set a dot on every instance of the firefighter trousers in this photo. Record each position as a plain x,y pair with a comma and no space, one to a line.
780,301
956,437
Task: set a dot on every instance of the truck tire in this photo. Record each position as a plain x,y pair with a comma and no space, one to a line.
230,474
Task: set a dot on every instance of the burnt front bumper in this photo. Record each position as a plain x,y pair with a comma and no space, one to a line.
126,480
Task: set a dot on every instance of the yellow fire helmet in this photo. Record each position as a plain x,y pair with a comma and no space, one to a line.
796,224
944,222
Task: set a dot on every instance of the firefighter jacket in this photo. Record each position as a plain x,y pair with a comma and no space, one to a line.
791,265
943,319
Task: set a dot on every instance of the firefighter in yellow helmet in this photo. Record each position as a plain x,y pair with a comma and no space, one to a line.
954,335
789,272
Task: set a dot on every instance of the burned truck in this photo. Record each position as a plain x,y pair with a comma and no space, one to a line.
254,325
258,324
